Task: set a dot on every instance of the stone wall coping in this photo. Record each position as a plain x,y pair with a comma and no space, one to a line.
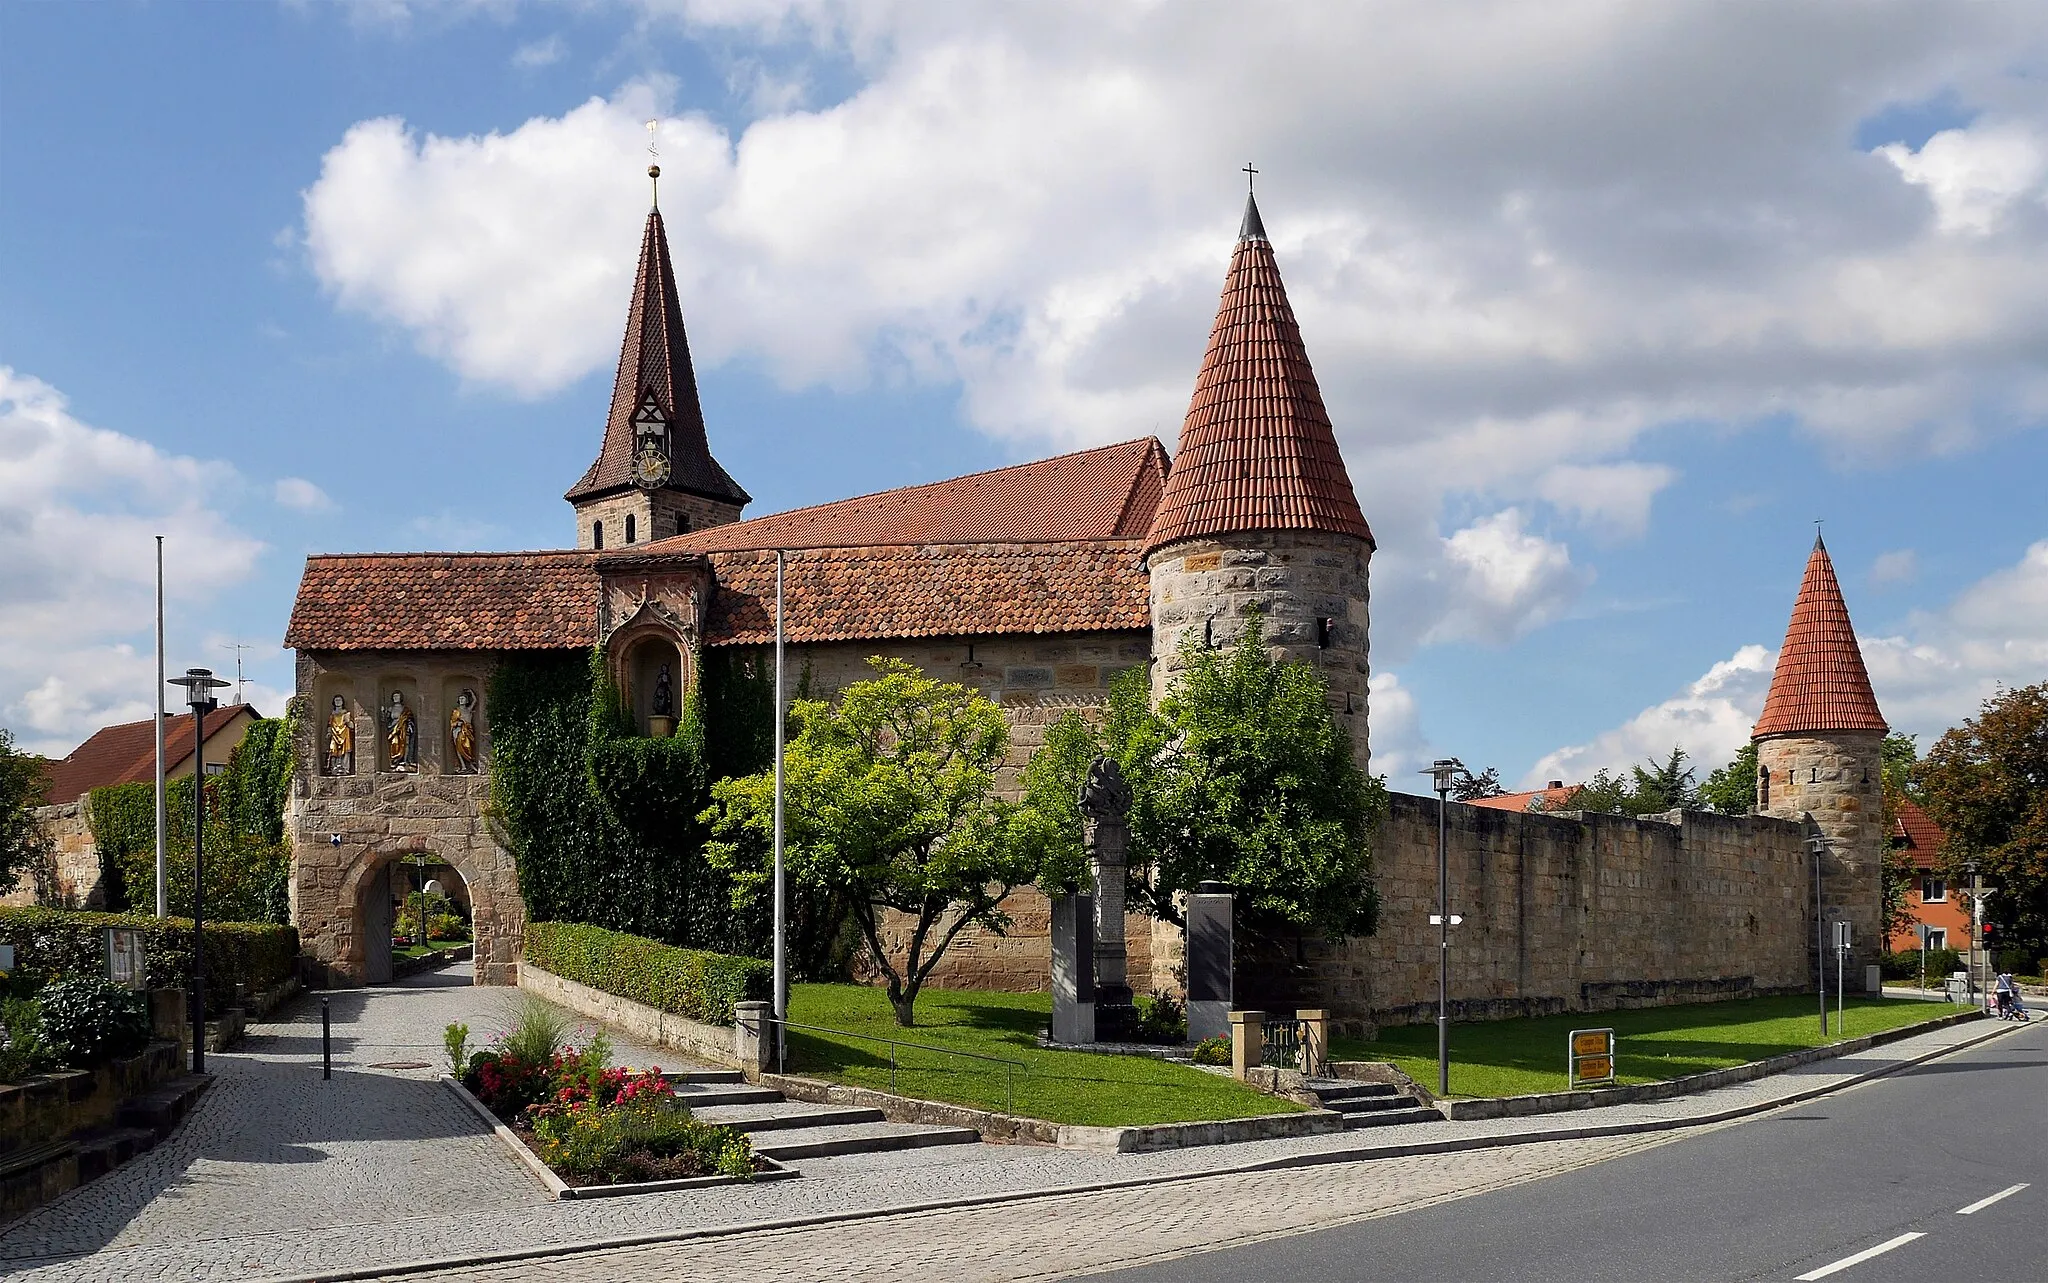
713,1044
1559,1102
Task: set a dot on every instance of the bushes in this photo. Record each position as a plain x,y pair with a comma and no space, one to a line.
1905,965
55,943
88,1021
701,986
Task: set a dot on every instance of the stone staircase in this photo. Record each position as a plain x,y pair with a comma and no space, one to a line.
1371,1104
785,1129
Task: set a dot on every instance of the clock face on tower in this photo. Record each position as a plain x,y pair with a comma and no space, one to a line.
650,468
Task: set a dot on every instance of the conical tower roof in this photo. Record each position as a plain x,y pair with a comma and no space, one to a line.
1820,684
656,359
1256,450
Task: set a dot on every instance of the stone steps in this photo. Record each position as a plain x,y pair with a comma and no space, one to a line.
1366,1104
1393,1117
160,1109
712,1097
787,1116
860,1138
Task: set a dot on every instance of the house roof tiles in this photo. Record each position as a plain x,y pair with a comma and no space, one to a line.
446,601
126,754
1820,683
1256,451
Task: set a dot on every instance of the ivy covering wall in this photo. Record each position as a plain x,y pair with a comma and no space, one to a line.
602,821
248,865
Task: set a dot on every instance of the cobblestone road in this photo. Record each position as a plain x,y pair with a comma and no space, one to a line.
1054,1237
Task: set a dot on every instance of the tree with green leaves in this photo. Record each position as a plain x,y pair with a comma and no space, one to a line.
889,801
1986,784
1470,788
1242,776
1731,789
22,786
1650,789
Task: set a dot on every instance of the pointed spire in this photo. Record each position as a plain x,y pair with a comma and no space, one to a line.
1256,450
655,362
1820,683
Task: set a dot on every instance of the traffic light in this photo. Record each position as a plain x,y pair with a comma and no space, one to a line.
1989,934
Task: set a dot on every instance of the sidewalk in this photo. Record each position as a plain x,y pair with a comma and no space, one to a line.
278,1174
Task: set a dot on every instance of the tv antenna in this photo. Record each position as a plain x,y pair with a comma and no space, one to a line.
238,648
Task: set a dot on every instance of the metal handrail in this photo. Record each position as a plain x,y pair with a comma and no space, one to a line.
1009,1073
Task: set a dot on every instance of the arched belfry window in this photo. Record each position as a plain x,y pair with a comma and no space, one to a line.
631,532
597,534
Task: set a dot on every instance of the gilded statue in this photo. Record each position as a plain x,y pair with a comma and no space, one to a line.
341,739
462,733
401,735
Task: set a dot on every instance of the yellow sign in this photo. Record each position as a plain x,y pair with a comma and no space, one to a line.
1596,1069
1589,1042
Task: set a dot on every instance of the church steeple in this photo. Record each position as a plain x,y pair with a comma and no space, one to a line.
655,465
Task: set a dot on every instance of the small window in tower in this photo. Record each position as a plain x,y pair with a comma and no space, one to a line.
631,521
1763,786
1325,629
597,534
682,523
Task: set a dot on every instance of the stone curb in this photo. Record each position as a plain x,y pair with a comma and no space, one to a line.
584,1246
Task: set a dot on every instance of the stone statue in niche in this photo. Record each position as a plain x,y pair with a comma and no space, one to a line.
664,694
401,735
341,739
462,733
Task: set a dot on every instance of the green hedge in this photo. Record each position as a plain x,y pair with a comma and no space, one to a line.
52,943
688,982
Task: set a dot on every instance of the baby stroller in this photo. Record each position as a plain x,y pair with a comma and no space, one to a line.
2009,1006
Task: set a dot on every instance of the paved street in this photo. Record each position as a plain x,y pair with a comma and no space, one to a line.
278,1173
1780,1197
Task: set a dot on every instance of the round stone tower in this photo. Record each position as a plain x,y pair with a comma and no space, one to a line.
1818,746
1258,513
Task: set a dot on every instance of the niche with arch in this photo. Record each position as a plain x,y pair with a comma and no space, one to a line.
655,676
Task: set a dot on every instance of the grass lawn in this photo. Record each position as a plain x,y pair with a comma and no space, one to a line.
1518,1057
1060,1086
421,951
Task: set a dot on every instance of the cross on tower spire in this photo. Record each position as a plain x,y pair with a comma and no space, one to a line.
1249,175
653,156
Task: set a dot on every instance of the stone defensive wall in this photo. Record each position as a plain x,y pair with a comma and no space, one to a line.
1573,911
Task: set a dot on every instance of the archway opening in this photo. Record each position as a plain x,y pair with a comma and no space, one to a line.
655,683
412,905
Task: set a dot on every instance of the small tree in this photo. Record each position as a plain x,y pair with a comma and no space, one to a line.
22,788
1986,783
1241,775
1731,789
889,800
1470,788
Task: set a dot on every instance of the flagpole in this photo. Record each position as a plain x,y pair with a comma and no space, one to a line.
781,951
162,906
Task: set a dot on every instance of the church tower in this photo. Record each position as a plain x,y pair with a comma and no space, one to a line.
654,476
1258,512
1818,747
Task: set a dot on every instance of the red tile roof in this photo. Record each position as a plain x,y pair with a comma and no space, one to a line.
1103,494
126,754
446,601
1820,683
944,590
1557,799
1914,830
1256,450
656,358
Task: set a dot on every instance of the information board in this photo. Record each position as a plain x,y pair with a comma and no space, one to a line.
127,963
1589,1057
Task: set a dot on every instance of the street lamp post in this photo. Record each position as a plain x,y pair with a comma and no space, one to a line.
1818,842
1444,770
199,684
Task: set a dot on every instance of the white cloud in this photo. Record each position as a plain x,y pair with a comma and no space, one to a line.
540,53
1398,744
79,509
1900,566
1972,175
1710,719
1518,237
301,495
1929,676
1502,581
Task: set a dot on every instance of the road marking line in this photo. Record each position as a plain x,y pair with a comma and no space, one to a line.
1983,1203
1860,1257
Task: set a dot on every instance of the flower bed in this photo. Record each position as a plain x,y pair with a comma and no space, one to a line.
597,1127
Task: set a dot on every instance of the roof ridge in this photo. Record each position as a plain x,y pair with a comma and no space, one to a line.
527,552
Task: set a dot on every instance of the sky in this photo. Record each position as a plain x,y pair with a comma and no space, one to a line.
1609,303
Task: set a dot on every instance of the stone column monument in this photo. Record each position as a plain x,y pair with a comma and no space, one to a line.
1105,814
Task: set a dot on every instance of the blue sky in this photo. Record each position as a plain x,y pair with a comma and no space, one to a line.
1607,309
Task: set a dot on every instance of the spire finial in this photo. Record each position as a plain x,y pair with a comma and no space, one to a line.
1817,542
654,154
1249,175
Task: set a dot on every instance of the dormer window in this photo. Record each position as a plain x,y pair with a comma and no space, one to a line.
650,444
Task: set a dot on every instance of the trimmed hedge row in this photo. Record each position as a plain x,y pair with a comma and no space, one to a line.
688,982
53,943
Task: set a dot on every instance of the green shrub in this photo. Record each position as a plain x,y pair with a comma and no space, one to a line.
701,986
1905,965
50,944
88,1021
455,1038
2013,960
22,1049
1161,1019
1211,1051
647,1138
538,1031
